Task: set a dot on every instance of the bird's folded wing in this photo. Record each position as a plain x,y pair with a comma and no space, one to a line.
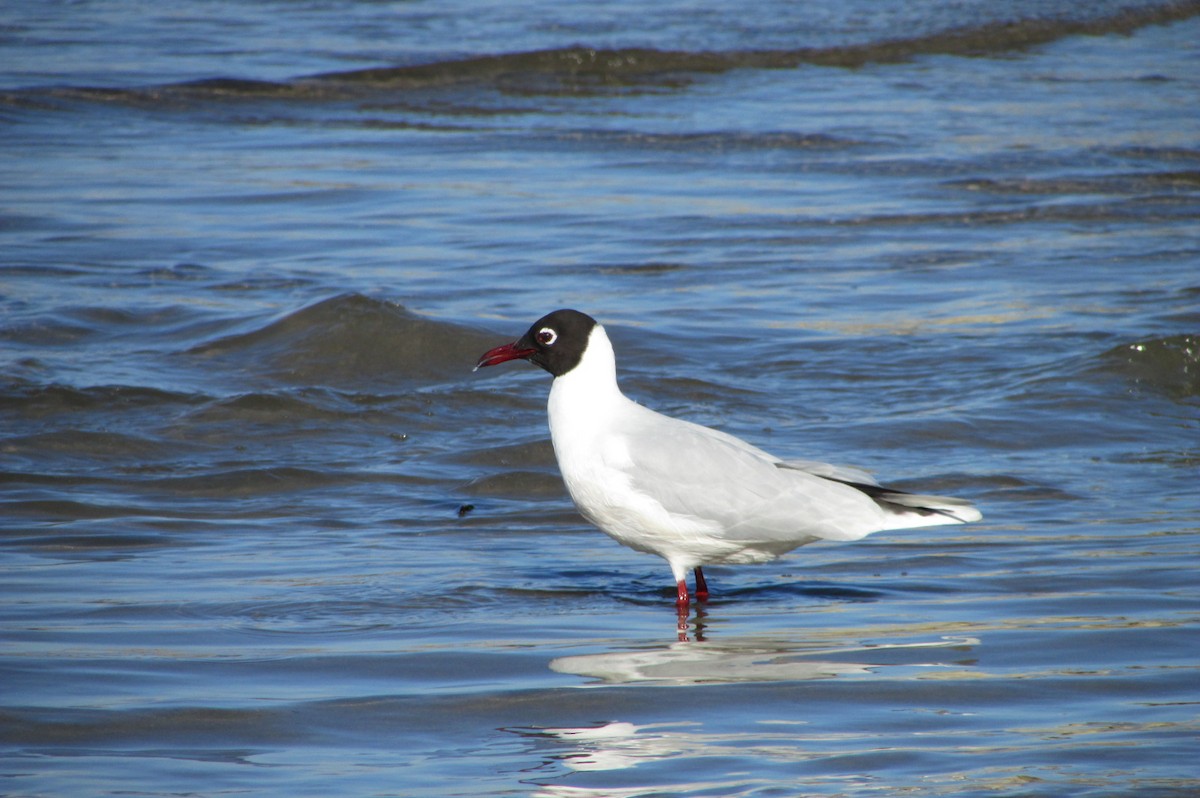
736,489
847,474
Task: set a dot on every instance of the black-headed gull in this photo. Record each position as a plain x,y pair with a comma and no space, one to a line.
693,495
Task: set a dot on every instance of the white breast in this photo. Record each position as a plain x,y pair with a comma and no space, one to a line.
589,425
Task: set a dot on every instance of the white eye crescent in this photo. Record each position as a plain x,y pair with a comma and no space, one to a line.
546,336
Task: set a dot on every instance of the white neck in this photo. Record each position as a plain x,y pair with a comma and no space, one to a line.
585,397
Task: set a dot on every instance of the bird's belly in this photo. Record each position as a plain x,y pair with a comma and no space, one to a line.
638,521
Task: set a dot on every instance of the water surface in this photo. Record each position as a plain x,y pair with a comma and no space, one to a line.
265,533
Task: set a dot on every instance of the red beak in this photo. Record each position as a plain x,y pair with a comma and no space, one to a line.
503,353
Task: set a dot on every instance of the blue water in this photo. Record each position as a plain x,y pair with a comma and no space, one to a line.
263,532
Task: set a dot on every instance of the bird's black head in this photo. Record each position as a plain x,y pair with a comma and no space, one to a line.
556,342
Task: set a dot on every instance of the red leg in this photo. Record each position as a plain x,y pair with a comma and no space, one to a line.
701,585
682,609
681,594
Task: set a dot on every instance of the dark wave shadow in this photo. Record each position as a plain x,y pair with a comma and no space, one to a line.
585,70
352,341
1169,366
643,593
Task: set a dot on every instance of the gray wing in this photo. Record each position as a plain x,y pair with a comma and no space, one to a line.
830,471
748,494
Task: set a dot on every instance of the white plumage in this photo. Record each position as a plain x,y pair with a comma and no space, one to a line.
690,494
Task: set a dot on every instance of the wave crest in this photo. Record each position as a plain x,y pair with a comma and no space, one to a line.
1168,365
350,341
584,70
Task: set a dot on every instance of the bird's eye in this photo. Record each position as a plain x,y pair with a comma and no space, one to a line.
546,336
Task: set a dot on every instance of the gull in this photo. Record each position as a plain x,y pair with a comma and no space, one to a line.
693,495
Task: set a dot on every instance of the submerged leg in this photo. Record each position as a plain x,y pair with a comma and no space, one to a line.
701,585
682,609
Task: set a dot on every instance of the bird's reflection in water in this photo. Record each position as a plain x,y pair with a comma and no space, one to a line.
685,662
748,659
607,748
621,744
688,628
